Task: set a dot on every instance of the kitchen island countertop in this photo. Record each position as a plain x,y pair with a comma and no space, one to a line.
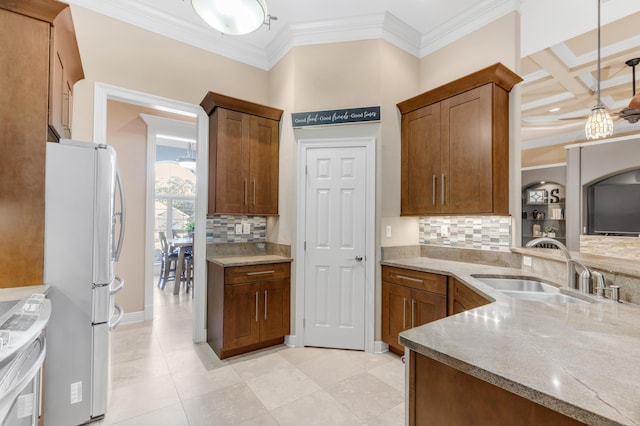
578,359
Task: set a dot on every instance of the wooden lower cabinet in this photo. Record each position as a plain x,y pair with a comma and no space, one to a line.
442,395
410,299
248,307
463,298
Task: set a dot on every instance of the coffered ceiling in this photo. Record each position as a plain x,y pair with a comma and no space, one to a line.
560,82
562,75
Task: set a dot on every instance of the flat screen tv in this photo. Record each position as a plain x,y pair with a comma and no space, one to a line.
614,209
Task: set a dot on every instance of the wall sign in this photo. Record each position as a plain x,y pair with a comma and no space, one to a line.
335,116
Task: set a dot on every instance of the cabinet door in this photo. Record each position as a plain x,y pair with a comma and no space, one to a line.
396,315
464,298
427,307
24,68
420,162
241,321
468,151
275,304
263,166
228,160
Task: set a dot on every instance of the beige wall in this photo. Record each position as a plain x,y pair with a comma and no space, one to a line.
497,42
126,56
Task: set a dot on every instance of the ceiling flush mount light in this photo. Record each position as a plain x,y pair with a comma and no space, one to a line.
233,17
599,124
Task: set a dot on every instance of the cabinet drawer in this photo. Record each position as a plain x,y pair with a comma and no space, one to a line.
251,273
415,279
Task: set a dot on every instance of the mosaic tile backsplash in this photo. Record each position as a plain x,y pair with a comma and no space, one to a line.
222,229
474,232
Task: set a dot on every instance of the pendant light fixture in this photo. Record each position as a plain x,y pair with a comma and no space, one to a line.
233,17
599,124
189,160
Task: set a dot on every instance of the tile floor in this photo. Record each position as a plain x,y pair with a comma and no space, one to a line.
160,377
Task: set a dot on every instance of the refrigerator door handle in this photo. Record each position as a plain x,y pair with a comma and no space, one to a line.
122,215
115,323
117,289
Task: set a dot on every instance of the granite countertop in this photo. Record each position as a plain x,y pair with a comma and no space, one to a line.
575,358
19,293
257,259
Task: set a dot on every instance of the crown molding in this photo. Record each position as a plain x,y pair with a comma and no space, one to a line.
365,27
380,26
464,24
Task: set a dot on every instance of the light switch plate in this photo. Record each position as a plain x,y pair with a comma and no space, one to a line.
387,231
526,261
246,228
238,228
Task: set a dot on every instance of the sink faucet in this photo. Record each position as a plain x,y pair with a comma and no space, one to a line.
585,276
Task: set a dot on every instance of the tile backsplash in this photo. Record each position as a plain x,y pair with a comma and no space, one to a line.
474,232
222,229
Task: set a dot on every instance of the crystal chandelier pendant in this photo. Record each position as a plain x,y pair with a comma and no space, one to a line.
599,124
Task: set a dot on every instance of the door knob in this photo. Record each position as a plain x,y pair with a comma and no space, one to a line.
358,259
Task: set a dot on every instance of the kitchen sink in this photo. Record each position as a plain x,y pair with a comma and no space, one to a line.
516,284
543,297
528,289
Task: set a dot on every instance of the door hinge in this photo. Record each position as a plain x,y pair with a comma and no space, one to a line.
304,323
305,246
306,170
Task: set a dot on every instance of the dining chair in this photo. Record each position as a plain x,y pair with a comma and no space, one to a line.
169,261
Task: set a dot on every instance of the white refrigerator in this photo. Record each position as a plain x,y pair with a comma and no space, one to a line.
84,227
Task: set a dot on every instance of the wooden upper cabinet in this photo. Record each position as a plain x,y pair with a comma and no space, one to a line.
421,165
243,156
27,28
65,69
455,146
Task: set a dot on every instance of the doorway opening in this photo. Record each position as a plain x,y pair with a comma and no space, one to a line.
105,93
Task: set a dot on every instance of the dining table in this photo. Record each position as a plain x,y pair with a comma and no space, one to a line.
183,244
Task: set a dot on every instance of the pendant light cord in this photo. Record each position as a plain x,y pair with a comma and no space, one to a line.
599,103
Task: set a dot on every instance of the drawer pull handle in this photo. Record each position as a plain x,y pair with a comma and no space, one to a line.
402,277
404,313
256,306
443,188
265,305
261,273
413,304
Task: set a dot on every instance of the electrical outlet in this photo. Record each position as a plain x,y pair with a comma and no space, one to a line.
238,228
387,231
246,228
444,230
526,261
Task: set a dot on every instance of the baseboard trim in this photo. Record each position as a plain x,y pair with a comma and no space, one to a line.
132,317
292,341
379,347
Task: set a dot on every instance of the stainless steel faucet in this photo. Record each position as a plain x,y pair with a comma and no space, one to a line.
585,276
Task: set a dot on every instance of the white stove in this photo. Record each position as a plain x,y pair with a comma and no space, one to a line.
22,353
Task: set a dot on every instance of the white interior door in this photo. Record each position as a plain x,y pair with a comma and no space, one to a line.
335,247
